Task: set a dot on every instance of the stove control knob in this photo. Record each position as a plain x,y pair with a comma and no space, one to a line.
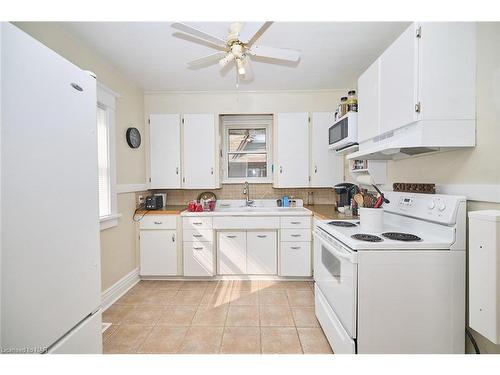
431,205
441,206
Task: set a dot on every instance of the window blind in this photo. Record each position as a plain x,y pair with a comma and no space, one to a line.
103,163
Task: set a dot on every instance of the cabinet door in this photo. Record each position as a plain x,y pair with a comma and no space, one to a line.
158,252
198,258
292,150
327,169
165,151
295,259
262,254
231,253
199,152
368,99
447,70
398,82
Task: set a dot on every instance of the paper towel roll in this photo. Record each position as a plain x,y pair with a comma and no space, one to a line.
364,179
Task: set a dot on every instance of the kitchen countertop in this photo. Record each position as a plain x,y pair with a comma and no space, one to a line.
327,212
167,210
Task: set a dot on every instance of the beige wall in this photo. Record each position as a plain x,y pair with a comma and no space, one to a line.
118,244
479,165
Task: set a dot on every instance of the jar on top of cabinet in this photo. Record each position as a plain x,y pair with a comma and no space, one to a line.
352,101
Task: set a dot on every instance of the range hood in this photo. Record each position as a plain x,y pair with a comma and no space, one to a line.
418,138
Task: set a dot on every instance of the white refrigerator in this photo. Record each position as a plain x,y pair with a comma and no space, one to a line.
50,255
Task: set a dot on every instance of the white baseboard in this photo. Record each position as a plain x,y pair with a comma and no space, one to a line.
111,295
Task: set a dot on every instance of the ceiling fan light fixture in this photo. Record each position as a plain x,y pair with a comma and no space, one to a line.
241,67
226,60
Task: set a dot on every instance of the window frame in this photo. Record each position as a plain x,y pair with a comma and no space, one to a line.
106,100
225,152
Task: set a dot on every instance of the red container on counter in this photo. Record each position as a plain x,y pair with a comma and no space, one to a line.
199,207
192,206
211,205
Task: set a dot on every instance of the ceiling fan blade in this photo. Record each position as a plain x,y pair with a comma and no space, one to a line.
252,30
209,59
199,41
275,53
198,33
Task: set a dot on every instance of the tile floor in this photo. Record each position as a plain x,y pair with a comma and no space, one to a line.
205,317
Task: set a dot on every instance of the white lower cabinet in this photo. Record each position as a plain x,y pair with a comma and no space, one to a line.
231,253
295,259
247,253
158,252
158,245
198,258
262,255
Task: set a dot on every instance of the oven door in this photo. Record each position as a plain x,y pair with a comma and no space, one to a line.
336,275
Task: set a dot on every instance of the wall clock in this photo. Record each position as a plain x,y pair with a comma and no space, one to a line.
133,137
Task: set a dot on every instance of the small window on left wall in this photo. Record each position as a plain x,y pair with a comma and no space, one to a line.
108,215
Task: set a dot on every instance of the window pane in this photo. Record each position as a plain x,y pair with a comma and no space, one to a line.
103,163
247,165
247,140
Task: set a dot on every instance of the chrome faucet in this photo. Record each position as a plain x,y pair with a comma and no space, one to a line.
246,191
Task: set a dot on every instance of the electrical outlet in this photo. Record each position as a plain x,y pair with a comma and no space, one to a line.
140,199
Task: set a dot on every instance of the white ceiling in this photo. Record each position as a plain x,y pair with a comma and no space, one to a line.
334,54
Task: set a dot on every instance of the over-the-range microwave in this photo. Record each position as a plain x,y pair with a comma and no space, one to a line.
344,132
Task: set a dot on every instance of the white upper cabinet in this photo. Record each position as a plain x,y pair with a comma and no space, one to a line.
165,151
291,168
200,159
398,81
447,71
327,168
368,99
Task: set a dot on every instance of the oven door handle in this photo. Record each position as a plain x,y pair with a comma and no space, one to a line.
349,257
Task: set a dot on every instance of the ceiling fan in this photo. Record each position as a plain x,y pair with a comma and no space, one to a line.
237,48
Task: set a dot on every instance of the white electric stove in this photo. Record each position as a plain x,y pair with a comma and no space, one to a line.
401,290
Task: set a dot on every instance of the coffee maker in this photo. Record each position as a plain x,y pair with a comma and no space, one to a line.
344,192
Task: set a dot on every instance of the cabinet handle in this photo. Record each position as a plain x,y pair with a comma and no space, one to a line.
197,235
295,222
296,235
261,235
198,248
76,86
315,169
212,171
295,247
281,169
177,170
232,236
158,222
197,223
173,237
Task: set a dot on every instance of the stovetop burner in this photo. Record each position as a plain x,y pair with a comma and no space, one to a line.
342,223
366,237
401,236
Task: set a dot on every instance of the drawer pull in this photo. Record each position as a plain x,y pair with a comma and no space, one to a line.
231,236
158,222
197,235
295,222
261,235
197,223
198,248
296,235
295,247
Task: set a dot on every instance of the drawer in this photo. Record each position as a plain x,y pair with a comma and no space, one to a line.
300,222
295,259
198,258
193,222
205,235
158,222
296,235
246,222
